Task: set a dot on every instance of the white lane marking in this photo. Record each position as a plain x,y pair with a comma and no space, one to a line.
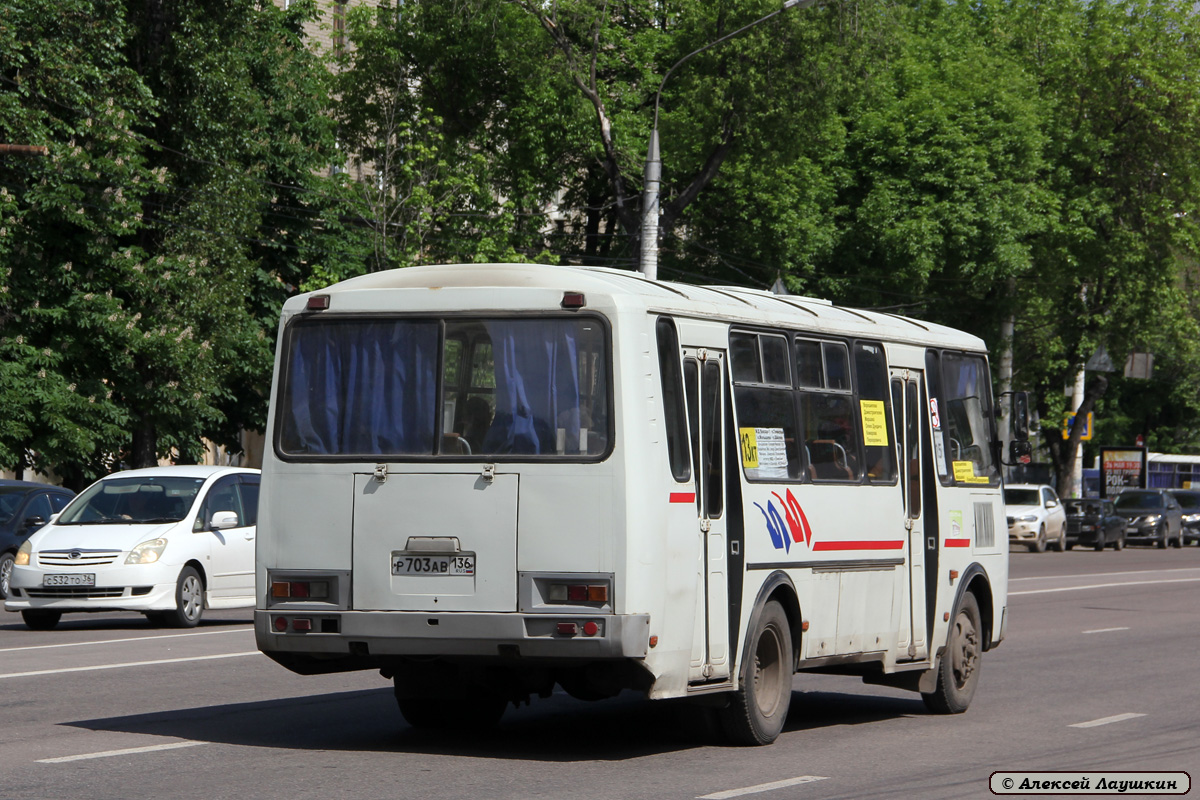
128,664
126,752
762,787
1105,574
1106,720
117,641
1106,630
1103,586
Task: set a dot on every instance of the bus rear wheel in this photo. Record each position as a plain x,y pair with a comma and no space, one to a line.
757,711
958,673
471,713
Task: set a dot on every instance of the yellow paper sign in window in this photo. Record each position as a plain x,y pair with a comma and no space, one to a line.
874,422
964,472
749,442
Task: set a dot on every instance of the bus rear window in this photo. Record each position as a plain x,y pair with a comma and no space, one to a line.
457,388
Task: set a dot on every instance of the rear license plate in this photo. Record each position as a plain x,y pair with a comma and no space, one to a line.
437,565
81,579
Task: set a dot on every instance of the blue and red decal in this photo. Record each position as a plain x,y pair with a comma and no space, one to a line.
783,531
792,527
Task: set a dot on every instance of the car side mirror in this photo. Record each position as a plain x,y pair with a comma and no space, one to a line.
34,522
222,520
1051,504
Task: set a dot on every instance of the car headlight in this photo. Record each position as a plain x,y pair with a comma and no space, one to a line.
1152,518
146,552
24,552
1192,518
1027,518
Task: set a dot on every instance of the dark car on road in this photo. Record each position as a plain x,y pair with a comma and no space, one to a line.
24,508
1152,516
1093,522
1189,500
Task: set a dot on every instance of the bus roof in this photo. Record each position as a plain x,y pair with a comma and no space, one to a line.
732,303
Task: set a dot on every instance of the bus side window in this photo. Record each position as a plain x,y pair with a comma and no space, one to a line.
674,415
765,405
827,411
877,432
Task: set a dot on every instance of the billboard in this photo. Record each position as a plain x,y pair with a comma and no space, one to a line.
1121,468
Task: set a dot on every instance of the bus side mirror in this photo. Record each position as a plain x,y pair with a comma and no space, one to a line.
1020,416
1020,452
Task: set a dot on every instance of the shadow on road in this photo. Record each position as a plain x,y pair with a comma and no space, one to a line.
134,622
556,729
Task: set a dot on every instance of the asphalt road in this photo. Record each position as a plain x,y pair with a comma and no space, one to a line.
1099,672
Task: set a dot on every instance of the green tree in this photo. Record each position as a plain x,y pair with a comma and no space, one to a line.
146,260
1119,84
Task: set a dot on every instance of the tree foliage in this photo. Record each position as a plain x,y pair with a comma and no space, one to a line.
146,258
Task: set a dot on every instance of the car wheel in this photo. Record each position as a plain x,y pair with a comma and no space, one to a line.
958,672
757,711
1060,544
1161,535
1119,544
1070,545
189,600
1039,544
1099,542
1179,540
6,565
38,619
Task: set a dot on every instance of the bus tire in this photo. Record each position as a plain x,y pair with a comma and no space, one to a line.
472,713
757,711
958,673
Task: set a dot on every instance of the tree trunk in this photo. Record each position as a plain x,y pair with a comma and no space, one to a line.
144,449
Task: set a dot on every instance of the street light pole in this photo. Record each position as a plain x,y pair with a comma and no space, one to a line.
653,171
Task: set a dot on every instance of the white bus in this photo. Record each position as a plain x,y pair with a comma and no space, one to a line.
487,480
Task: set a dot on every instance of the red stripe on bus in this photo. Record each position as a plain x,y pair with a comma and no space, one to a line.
958,543
683,497
895,545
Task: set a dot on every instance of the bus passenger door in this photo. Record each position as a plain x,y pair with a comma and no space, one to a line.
907,391
704,381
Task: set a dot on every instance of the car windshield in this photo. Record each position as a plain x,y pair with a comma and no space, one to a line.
1021,497
1189,500
10,501
1138,501
1082,506
133,501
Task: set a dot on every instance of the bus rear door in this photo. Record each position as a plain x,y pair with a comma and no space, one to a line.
704,381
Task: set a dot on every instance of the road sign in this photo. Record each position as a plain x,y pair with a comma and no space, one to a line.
1069,421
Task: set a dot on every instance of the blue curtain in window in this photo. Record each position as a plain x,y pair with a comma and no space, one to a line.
537,387
361,389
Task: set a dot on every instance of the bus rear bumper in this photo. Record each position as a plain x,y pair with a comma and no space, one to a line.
369,636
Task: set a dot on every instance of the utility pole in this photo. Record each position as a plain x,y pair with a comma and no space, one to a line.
652,172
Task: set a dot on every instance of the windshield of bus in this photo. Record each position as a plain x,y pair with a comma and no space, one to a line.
459,388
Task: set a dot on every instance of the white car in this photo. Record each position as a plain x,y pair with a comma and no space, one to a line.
1036,517
166,541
